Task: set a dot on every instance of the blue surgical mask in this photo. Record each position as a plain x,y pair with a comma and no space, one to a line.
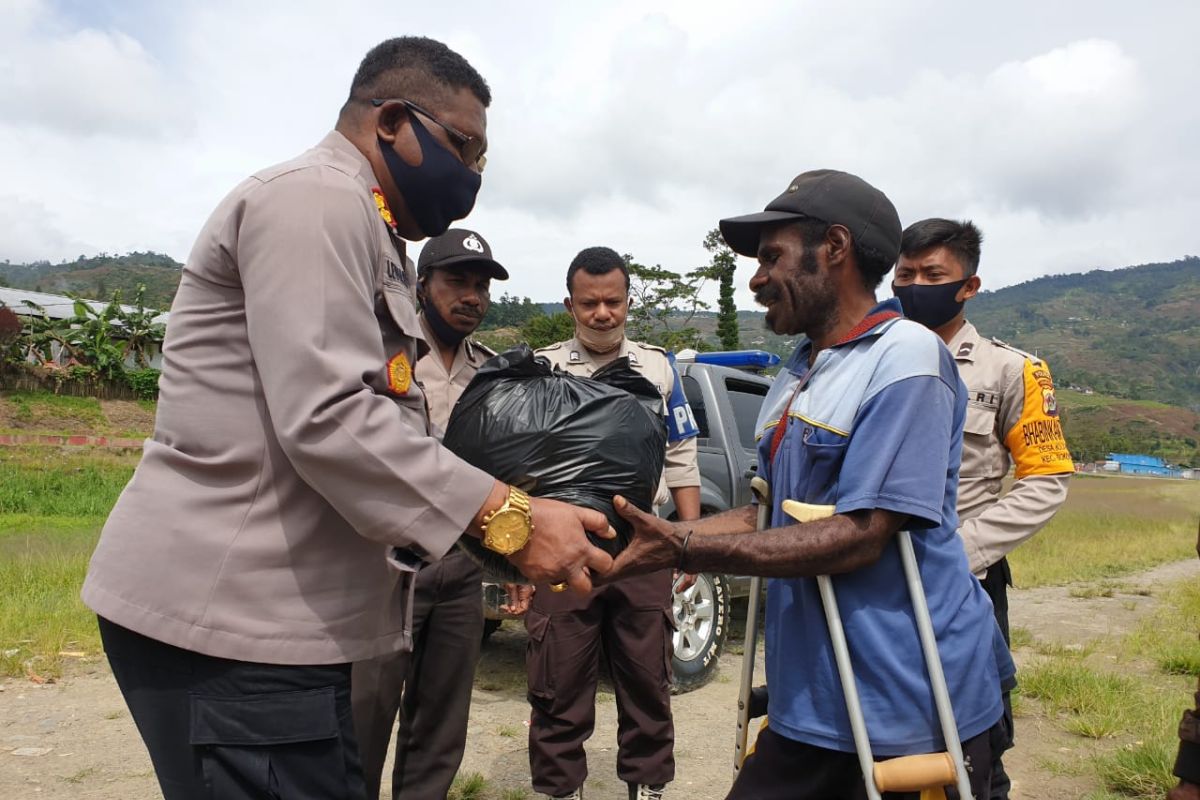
439,191
932,306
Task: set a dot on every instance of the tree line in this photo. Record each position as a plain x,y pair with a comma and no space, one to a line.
663,306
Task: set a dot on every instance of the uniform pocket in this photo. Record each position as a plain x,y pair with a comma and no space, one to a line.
282,744
979,421
537,655
403,311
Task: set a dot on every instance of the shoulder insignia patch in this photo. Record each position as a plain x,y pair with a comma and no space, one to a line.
399,374
1016,350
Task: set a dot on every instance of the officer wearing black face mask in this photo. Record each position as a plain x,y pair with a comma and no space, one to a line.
431,686
292,489
1012,418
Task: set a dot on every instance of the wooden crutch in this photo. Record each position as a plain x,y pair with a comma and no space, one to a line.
927,773
762,493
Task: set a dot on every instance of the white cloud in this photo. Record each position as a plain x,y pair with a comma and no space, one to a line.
82,81
635,124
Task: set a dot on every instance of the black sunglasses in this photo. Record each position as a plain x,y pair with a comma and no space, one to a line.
470,148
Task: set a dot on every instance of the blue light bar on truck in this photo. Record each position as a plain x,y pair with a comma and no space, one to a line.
739,359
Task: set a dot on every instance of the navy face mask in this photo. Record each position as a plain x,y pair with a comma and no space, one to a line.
439,191
444,331
932,306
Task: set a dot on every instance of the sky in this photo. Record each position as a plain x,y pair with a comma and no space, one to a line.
1066,130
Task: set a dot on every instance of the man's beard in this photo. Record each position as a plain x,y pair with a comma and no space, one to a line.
813,301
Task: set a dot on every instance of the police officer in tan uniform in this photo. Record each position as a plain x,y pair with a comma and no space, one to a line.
431,686
632,618
291,481
1012,416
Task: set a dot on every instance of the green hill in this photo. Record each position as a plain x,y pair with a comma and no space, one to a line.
1133,333
99,276
1096,425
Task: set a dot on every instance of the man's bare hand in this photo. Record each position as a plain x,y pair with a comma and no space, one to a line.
682,581
1184,791
559,550
520,595
655,543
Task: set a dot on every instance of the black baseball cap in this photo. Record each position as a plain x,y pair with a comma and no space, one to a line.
838,198
458,247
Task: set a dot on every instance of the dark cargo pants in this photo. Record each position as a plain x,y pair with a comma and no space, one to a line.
996,583
236,730
430,687
632,619
785,769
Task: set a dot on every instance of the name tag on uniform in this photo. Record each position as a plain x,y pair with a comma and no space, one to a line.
394,271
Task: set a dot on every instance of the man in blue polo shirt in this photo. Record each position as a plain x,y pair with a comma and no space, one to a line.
867,417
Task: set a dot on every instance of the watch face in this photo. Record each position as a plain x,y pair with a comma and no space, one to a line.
507,532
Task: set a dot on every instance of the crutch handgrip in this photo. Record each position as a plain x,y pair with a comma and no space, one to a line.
914,773
807,512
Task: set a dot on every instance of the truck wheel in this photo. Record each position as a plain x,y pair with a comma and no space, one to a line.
490,626
701,625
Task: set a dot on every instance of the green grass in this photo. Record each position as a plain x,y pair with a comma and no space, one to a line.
52,506
1168,637
1111,527
1140,713
44,481
1137,711
42,564
1094,703
470,786
44,409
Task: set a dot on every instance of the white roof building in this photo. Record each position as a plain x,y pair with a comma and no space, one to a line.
57,306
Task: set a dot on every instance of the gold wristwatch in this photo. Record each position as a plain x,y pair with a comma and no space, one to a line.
507,529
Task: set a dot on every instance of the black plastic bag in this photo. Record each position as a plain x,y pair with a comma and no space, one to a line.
552,434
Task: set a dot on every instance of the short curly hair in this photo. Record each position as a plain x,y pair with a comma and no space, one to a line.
415,68
597,261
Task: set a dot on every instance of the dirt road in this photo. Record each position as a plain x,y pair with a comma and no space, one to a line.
74,739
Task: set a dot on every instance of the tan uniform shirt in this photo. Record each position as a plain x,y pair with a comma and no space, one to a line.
1012,418
443,387
681,467
291,446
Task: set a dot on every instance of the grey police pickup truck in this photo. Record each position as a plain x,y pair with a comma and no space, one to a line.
725,391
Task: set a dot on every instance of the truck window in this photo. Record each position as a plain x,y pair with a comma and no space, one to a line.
695,398
746,399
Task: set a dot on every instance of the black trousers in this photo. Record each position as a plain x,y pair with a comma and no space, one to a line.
784,769
232,730
996,583
430,687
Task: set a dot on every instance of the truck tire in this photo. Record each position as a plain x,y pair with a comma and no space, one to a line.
701,625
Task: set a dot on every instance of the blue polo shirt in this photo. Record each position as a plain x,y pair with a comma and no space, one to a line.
878,424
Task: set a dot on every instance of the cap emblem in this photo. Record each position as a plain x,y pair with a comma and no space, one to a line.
473,244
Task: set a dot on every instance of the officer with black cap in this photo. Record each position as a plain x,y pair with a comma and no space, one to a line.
431,686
